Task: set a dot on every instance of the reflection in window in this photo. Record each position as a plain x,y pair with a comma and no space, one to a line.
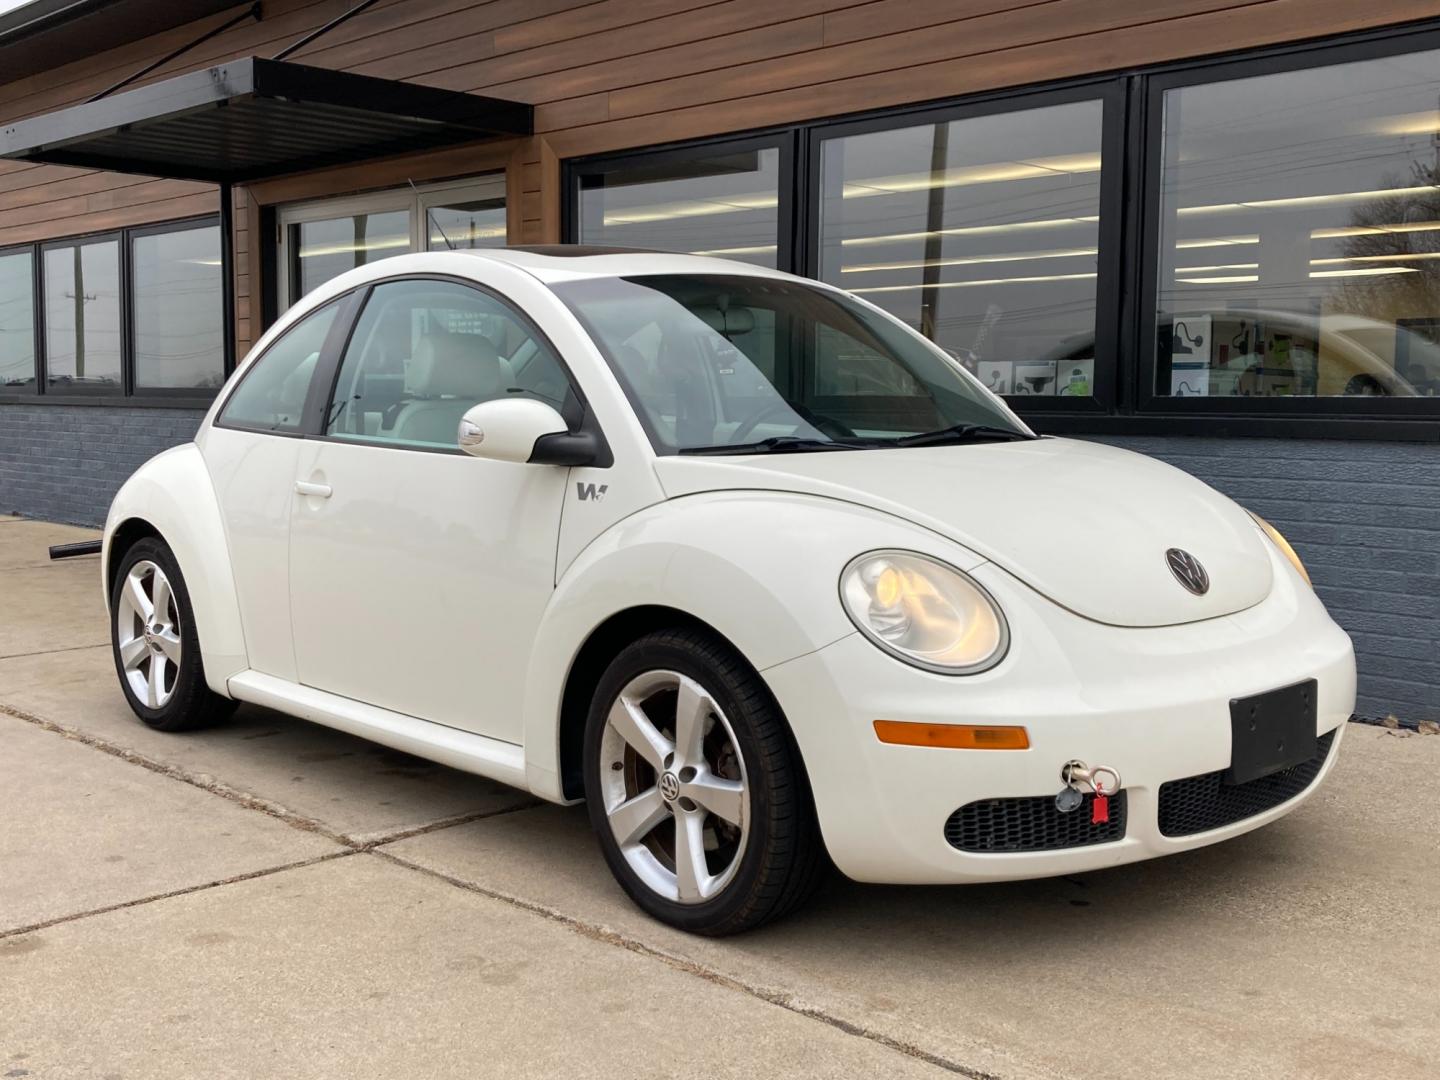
272,391
1300,234
82,316
178,308
17,320
477,224
326,249
981,233
725,205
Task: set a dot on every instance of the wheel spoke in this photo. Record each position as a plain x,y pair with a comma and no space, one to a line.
692,873
633,819
135,598
723,798
169,642
630,721
692,708
132,652
155,683
161,589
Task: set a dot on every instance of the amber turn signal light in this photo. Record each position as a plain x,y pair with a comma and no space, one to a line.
952,736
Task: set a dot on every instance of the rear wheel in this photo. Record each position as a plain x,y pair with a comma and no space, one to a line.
695,788
156,647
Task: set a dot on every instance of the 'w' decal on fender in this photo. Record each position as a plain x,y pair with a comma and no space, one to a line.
591,491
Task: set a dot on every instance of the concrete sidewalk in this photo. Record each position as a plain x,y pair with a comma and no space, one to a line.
273,898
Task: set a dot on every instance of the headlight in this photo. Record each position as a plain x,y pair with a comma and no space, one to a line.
1283,544
926,613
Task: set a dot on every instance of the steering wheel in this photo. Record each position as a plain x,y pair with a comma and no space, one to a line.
823,424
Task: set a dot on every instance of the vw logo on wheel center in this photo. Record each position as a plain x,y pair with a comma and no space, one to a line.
669,786
1188,571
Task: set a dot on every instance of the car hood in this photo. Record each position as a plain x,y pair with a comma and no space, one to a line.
1085,524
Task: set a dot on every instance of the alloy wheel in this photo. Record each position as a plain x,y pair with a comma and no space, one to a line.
147,634
675,791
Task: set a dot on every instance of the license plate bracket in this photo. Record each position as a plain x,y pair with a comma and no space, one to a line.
1272,731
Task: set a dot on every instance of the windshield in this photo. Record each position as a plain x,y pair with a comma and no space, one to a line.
736,364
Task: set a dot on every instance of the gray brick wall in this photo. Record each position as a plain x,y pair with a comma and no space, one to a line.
1365,518
65,462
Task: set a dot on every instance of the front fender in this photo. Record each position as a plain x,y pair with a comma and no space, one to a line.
761,568
172,493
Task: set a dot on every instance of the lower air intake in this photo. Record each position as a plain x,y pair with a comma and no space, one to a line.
1197,804
996,826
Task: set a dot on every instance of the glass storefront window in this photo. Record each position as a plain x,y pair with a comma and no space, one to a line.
82,316
326,248
17,319
982,233
177,307
456,226
724,203
1300,234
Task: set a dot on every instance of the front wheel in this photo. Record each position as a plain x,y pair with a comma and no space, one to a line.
695,788
156,646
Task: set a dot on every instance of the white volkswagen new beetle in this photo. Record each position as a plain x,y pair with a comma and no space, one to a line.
735,557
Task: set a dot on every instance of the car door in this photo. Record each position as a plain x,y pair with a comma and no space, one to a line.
251,451
418,574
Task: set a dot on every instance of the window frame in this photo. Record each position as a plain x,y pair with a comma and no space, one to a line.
415,201
1111,94
126,395
786,140
37,328
1131,149
132,385
1146,259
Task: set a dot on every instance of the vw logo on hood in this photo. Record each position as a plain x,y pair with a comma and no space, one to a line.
1188,571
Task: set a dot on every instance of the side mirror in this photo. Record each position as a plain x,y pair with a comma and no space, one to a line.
524,430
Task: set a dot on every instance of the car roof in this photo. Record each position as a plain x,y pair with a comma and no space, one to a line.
554,263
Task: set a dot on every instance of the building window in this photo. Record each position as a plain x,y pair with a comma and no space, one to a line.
983,233
321,240
1299,234
722,200
138,312
177,298
17,318
81,287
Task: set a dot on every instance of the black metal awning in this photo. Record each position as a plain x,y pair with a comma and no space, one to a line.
256,118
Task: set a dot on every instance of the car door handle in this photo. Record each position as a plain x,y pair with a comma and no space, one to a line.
305,487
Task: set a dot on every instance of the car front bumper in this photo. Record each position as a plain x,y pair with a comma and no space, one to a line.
1152,703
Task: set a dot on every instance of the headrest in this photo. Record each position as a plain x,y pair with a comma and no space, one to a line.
727,323
454,365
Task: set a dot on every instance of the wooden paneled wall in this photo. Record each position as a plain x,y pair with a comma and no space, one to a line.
611,74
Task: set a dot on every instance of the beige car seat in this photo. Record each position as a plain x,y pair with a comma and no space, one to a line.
447,375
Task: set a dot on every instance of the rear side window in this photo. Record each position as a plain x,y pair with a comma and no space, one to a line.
271,394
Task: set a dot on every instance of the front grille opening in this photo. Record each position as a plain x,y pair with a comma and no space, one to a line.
1197,804
996,826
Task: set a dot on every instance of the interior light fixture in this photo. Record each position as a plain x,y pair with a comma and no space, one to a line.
757,249
1417,123
1224,280
1064,165
1309,200
1339,231
1216,241
972,260
388,244
730,204
968,284
972,230
1369,271
1417,256
1220,266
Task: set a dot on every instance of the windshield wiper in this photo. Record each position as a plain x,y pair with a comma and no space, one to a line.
961,433
779,444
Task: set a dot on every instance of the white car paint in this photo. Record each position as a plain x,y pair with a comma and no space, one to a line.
437,603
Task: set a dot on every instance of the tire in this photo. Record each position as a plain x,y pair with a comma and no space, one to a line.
166,646
650,792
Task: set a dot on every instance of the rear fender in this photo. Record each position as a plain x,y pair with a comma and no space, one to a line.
172,493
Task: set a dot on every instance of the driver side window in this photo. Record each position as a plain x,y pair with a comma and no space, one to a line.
425,352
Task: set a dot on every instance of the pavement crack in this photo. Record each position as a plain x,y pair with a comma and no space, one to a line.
690,967
445,823
47,652
186,891
214,787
